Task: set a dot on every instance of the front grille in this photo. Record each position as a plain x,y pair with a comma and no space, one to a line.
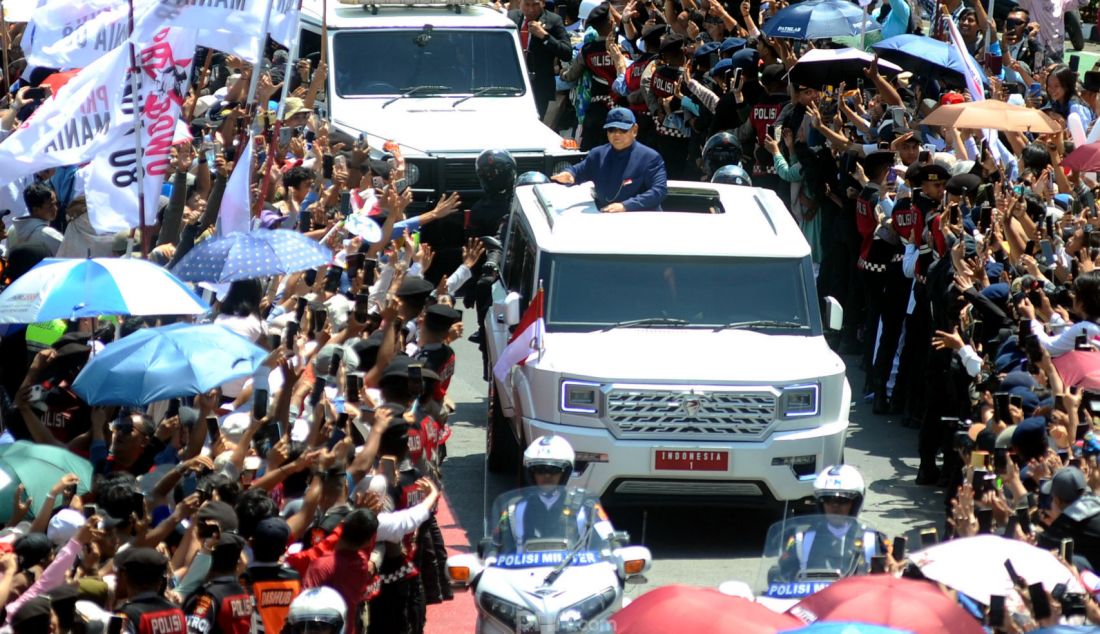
461,174
718,413
676,488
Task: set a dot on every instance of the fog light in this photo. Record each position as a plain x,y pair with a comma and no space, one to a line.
803,467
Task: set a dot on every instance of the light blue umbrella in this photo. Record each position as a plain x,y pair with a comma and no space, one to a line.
154,364
67,288
37,468
817,20
245,256
926,57
836,627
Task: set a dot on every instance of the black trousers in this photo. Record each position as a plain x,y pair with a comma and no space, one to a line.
894,300
673,149
592,133
909,387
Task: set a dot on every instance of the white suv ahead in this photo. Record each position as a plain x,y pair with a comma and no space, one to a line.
443,80
684,354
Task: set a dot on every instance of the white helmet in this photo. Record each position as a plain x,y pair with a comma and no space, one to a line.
318,605
842,481
549,451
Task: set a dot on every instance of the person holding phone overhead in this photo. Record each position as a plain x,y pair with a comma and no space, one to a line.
544,40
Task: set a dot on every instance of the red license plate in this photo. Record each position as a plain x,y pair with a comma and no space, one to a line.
691,460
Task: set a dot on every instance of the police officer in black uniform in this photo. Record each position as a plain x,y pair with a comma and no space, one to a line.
662,86
221,605
142,579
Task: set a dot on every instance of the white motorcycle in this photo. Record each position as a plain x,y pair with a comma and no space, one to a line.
531,581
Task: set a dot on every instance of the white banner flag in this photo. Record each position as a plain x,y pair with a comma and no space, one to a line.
234,214
284,21
232,26
63,34
110,180
971,74
71,126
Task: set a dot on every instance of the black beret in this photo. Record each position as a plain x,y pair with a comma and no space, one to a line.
439,318
414,286
141,557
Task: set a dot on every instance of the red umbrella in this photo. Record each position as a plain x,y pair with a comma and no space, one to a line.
1079,368
1083,159
917,606
687,609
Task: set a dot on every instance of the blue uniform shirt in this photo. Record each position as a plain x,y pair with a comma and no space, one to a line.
634,177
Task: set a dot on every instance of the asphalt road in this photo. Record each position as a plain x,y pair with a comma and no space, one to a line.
694,546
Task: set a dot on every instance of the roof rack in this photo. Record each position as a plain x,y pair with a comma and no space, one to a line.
374,5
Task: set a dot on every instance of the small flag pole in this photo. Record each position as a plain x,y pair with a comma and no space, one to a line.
542,322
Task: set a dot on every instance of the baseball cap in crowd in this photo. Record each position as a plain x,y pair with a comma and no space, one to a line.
141,561
950,98
620,119
32,616
93,589
1067,485
64,525
219,512
961,184
672,42
1030,437
31,549
731,45
707,49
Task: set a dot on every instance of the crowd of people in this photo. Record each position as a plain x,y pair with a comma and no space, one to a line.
964,259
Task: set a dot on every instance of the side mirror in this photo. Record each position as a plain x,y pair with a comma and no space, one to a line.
511,309
632,561
834,314
463,569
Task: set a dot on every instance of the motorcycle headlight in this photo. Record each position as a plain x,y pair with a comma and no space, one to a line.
575,618
799,401
515,617
580,397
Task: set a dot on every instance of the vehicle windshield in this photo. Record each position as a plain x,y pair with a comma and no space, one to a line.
539,526
590,292
453,62
806,553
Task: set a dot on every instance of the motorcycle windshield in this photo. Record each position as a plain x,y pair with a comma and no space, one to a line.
542,526
806,553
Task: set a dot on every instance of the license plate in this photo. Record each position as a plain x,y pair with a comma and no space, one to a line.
691,460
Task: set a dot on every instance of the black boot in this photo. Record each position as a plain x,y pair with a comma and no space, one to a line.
928,475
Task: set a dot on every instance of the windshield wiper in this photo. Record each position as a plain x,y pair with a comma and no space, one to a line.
572,554
415,90
488,90
648,321
760,323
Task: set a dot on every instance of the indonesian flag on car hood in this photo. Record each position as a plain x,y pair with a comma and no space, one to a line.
526,339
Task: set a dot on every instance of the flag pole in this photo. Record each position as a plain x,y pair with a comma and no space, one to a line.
258,66
273,142
4,48
138,150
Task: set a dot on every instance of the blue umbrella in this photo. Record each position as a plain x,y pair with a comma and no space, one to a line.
836,627
818,19
258,253
37,468
155,364
926,57
67,288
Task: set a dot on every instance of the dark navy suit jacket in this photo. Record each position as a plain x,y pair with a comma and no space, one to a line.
638,182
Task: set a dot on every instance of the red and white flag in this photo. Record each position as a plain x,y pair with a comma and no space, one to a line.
526,339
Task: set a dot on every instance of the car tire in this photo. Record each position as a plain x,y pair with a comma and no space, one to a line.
1074,30
501,450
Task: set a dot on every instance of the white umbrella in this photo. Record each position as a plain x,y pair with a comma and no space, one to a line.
975,566
68,288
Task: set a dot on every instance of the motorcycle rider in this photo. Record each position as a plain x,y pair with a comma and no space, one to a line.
837,542
549,509
318,610
720,150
